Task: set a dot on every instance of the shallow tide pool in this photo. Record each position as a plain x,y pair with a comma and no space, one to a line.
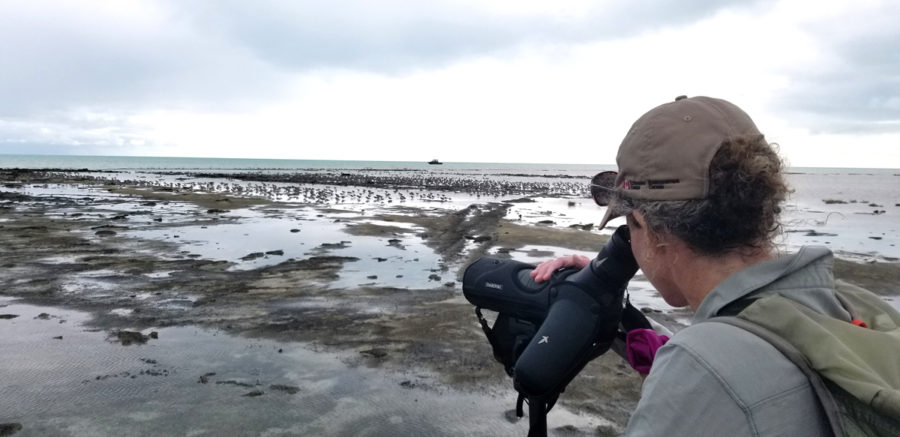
254,238
62,378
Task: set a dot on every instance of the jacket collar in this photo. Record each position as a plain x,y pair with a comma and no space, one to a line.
773,276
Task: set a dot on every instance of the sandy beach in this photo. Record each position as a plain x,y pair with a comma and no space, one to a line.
141,308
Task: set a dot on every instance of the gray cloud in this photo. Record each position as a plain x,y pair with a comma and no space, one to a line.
61,55
84,132
391,36
35,147
860,90
62,59
231,54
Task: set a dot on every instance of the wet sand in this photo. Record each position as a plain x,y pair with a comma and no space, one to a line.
116,251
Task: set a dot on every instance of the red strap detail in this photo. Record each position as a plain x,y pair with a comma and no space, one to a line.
858,322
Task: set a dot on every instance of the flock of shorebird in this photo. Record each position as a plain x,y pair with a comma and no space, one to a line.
359,188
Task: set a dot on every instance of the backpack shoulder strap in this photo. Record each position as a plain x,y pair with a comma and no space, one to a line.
826,400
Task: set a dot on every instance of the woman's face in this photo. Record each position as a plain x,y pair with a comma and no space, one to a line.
651,255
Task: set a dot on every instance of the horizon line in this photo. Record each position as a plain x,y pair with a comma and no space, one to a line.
381,160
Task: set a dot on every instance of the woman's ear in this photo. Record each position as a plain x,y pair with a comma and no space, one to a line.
638,219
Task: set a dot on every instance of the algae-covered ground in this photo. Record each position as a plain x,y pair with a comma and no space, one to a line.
376,286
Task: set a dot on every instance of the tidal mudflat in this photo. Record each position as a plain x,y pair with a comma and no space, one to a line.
202,305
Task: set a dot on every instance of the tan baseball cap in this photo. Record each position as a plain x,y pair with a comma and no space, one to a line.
667,152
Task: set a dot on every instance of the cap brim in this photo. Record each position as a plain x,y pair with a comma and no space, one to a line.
613,210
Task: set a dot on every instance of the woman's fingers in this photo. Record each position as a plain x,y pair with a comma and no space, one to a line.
545,269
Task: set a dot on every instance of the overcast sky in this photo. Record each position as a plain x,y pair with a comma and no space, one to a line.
465,80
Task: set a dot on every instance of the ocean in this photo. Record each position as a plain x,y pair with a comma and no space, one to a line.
238,164
163,163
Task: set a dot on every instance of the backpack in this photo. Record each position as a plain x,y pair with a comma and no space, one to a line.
854,368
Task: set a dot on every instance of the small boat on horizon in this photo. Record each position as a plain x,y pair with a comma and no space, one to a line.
435,162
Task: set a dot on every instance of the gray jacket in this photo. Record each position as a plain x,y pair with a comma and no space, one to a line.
713,379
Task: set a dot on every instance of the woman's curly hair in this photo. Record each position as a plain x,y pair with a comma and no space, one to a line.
741,212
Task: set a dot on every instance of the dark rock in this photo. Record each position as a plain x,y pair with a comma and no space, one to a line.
295,230
374,353
233,382
372,277
110,227
254,393
34,228
8,316
434,277
289,389
546,222
521,200
215,211
105,233
482,238
43,316
7,429
253,256
608,430
566,430
131,337
275,252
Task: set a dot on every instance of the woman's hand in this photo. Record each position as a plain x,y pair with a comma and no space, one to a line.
545,269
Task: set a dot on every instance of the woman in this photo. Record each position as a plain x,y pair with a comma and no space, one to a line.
701,191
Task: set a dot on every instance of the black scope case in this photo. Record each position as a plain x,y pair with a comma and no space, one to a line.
505,285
